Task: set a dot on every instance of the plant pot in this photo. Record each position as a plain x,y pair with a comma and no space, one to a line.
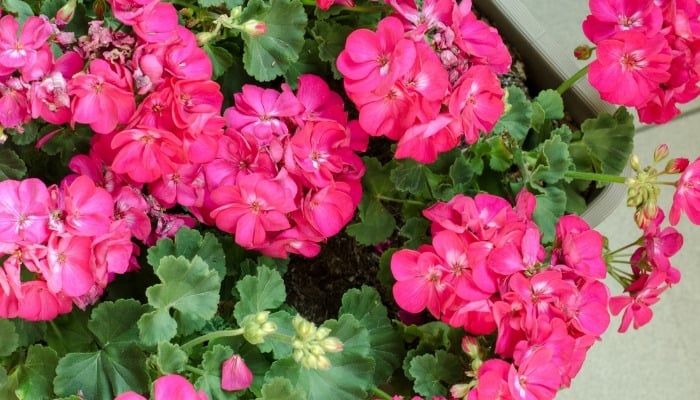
547,65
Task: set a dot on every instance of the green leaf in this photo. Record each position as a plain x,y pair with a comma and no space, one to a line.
11,166
102,374
31,130
189,287
10,338
279,388
170,359
68,142
308,63
51,7
122,330
3,378
265,291
269,55
461,171
376,225
210,3
221,59
552,104
22,9
29,332
190,243
409,177
210,380
553,161
610,139
551,204
434,374
415,229
500,156
279,349
330,38
37,373
386,345
70,333
516,119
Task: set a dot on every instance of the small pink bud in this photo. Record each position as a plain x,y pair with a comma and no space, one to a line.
65,13
254,28
661,152
583,52
235,374
677,165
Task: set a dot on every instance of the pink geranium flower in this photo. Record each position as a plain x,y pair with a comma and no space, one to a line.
687,195
419,276
24,211
629,67
645,292
145,154
38,303
169,387
609,17
20,50
88,209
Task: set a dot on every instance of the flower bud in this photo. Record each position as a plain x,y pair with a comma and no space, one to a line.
677,165
254,28
583,52
460,390
99,8
322,333
470,345
65,13
235,374
323,363
634,163
332,344
661,152
204,37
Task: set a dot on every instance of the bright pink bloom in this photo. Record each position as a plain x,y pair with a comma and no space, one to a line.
424,142
185,59
629,66
477,102
157,24
169,387
13,103
374,61
49,97
329,209
260,112
319,101
389,114
20,50
611,16
131,206
24,211
645,292
492,378
38,303
235,374
68,265
185,186
128,11
479,40
418,277
102,98
255,206
88,209
536,378
587,308
326,4
581,247
145,154
687,196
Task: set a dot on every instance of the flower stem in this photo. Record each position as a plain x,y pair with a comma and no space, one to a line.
572,79
592,176
380,393
212,336
196,370
395,200
625,247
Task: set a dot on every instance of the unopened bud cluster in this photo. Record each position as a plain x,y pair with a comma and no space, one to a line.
251,27
257,326
311,344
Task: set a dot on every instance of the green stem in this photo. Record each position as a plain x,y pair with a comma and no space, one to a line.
625,247
395,200
356,8
212,336
573,79
279,337
196,370
380,393
58,333
592,176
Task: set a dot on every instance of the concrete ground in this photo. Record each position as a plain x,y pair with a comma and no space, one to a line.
660,360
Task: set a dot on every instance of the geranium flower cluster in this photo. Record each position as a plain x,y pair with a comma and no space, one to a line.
59,246
647,54
488,272
286,176
427,77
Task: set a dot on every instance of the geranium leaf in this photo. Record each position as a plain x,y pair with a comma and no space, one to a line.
189,287
102,374
3,378
610,139
386,345
220,58
279,388
500,156
11,166
122,330
37,373
280,349
10,338
268,56
265,291
22,9
552,162
433,374
70,333
210,3
516,119
68,142
210,380
190,243
308,63
376,225
170,358
408,176
415,229
552,104
551,203
330,38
